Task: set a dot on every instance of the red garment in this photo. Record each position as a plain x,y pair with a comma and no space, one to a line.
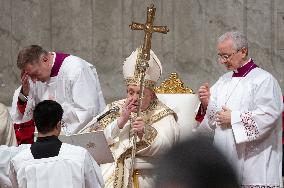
200,115
21,106
24,131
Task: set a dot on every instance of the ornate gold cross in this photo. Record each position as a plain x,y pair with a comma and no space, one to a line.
142,65
148,28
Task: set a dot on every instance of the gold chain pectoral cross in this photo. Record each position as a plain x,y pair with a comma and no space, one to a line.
148,28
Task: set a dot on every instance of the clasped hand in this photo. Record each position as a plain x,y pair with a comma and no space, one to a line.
223,117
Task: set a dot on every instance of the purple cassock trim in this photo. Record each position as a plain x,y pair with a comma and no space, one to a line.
57,63
244,70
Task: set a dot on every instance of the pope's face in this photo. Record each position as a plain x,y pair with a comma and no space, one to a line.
39,71
230,57
133,93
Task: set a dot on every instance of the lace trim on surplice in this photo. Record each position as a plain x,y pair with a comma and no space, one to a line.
249,125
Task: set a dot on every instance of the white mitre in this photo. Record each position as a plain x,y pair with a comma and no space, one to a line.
131,72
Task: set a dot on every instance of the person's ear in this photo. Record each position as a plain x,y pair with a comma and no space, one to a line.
244,52
44,58
58,126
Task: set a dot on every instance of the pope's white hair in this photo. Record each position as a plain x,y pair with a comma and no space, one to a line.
239,39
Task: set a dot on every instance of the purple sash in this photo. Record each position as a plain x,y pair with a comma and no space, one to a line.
244,70
57,63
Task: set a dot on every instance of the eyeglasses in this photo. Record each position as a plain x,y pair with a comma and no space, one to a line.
226,57
63,123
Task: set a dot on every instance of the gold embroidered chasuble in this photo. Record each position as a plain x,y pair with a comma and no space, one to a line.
161,132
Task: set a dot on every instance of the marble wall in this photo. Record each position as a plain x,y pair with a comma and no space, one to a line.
97,31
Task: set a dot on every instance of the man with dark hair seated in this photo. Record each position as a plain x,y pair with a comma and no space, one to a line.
51,163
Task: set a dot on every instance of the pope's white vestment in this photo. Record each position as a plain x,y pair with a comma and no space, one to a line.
72,168
76,88
162,132
253,142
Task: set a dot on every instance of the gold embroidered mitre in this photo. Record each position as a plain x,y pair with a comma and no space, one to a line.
131,70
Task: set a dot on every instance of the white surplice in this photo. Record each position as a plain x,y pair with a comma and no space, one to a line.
72,168
253,142
76,88
162,132
6,154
